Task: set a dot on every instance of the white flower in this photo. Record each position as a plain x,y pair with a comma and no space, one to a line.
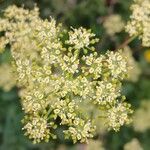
140,21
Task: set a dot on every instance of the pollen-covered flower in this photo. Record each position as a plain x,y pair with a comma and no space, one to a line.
140,21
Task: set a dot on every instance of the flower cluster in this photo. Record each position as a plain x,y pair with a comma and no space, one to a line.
142,115
60,73
113,24
140,21
95,145
81,38
3,43
118,116
36,128
133,144
135,70
7,77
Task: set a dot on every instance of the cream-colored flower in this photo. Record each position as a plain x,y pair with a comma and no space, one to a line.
113,24
139,23
81,38
7,77
95,145
133,144
37,129
141,119
60,76
134,70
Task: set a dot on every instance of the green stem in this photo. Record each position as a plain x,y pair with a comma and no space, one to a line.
126,42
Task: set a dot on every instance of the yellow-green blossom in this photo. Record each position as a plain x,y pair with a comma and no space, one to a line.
81,38
113,24
36,128
59,73
139,23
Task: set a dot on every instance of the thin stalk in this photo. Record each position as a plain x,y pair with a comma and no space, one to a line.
126,42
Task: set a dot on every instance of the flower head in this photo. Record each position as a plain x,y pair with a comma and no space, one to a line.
140,21
113,24
60,74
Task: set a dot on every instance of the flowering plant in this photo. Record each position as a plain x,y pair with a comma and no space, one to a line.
59,72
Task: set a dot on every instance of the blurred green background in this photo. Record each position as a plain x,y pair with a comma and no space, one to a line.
89,14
